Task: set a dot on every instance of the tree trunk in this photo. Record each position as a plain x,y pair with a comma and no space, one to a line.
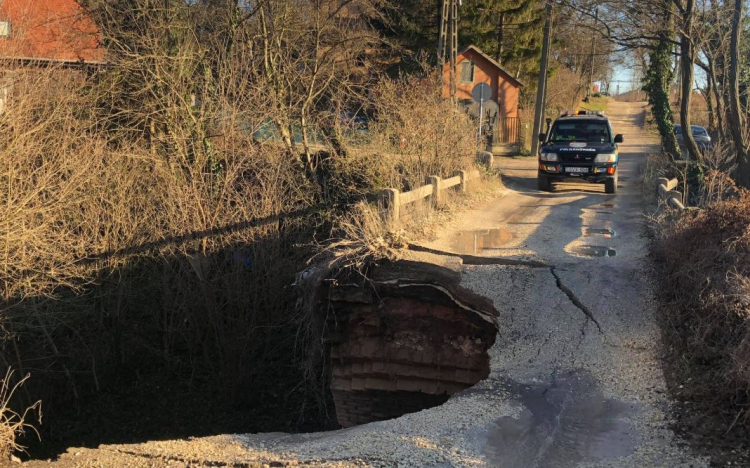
709,106
658,85
687,61
737,120
719,108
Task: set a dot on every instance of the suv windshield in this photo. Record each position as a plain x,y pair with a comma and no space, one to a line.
592,132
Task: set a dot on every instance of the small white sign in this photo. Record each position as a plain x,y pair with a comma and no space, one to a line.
5,29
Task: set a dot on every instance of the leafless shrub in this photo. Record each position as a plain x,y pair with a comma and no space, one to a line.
146,226
419,131
565,90
707,259
717,183
13,424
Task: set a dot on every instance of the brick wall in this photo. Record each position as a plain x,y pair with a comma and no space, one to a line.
49,29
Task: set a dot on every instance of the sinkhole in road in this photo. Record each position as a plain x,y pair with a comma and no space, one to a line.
404,339
563,423
594,251
478,241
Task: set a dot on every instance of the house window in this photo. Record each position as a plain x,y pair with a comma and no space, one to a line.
5,30
467,72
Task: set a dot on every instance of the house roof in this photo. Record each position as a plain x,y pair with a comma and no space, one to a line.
50,31
494,63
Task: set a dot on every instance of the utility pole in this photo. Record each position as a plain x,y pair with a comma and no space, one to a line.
443,33
541,91
454,49
500,38
591,62
449,24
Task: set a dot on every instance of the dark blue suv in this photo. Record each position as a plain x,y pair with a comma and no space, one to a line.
579,147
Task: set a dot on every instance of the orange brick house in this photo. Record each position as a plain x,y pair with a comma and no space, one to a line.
48,31
44,33
474,67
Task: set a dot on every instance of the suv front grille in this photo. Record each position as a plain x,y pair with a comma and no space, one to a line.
585,158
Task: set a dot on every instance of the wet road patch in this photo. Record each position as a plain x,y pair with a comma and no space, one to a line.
594,251
563,423
478,241
597,232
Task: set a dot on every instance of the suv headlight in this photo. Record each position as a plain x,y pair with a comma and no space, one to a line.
606,158
552,157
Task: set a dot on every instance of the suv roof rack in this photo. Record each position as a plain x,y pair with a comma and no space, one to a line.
568,113
589,112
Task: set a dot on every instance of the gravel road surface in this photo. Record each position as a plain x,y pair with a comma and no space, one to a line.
576,379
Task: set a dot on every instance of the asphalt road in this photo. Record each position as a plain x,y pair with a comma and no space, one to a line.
576,379
579,344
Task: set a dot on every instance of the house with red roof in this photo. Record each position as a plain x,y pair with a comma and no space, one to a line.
48,31
44,33
501,112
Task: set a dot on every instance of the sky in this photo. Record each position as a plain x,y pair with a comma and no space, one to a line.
627,76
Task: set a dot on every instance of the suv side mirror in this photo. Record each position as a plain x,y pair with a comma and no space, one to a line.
542,137
619,139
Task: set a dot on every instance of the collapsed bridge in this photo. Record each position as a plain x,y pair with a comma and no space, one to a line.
404,337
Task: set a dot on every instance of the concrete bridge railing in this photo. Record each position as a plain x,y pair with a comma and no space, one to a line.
665,191
392,199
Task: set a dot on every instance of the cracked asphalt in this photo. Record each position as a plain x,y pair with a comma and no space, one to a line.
586,325
576,379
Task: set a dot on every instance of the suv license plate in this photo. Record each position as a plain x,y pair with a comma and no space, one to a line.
577,170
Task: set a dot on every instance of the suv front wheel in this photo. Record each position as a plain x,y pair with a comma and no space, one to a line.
610,185
543,183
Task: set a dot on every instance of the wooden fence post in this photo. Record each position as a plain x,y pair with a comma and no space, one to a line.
464,180
391,204
436,197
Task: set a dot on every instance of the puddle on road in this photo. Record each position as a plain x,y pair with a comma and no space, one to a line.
563,424
594,251
596,232
607,205
476,242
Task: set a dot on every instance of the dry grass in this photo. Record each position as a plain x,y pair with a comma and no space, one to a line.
706,258
133,251
419,131
13,424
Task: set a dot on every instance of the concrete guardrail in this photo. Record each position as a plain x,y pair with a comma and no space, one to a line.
665,191
392,199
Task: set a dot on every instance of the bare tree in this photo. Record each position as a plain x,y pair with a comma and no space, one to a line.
737,121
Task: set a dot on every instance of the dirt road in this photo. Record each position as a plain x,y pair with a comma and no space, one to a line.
575,379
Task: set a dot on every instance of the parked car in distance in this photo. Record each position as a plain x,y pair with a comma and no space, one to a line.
700,135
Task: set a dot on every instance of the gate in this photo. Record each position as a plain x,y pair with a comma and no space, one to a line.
510,130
